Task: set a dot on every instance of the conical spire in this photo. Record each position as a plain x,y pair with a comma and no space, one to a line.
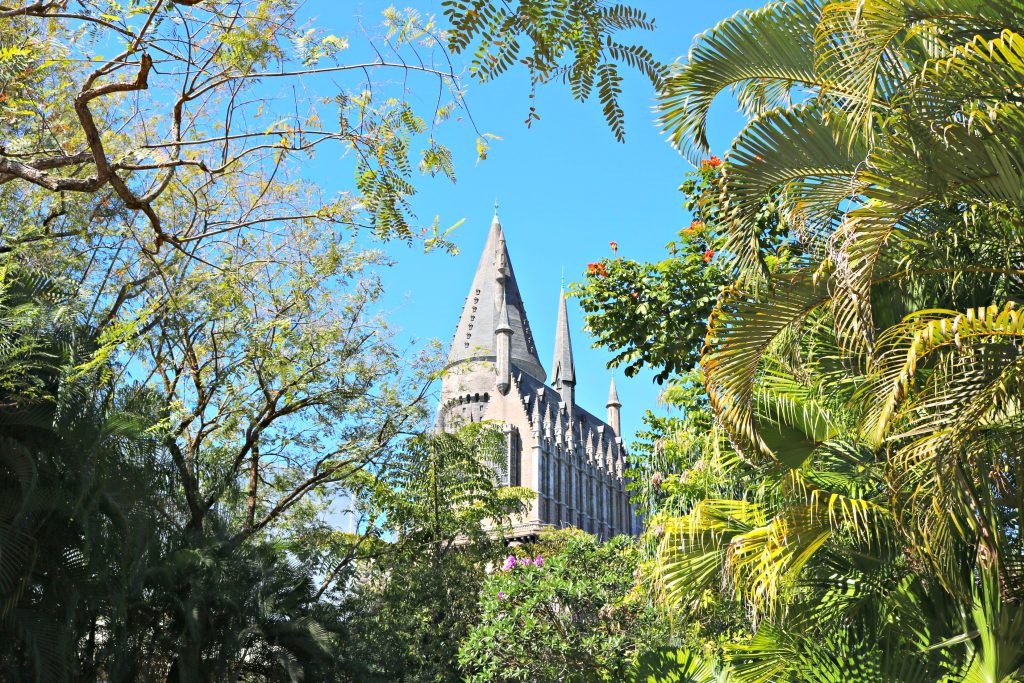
562,369
613,395
494,284
614,410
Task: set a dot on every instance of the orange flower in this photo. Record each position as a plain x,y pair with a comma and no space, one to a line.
713,162
708,255
615,246
695,226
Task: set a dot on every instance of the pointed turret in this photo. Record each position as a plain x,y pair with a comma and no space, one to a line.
503,349
563,370
494,288
614,406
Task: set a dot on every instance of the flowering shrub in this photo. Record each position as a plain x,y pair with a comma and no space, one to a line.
655,314
570,616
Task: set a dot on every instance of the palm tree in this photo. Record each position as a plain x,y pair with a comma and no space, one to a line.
893,132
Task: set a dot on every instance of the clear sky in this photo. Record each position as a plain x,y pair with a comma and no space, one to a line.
565,187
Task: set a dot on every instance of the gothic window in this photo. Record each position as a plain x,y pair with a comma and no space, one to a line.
513,459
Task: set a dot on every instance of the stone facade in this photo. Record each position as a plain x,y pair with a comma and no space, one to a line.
573,460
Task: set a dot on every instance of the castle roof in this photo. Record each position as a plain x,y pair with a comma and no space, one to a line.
494,288
540,400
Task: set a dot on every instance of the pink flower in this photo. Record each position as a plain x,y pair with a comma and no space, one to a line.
526,561
539,561
501,595
510,563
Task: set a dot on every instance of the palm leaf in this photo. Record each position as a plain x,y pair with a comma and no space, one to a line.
797,150
763,53
905,346
740,330
871,46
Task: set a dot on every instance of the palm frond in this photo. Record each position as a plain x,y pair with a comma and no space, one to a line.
870,46
903,347
981,71
800,151
740,330
763,53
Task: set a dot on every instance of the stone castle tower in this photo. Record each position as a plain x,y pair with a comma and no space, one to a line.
573,460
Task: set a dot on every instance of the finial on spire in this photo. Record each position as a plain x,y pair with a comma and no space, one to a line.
495,208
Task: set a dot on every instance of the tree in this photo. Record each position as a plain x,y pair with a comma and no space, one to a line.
417,596
99,581
655,314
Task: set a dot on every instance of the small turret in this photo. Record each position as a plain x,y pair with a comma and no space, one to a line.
503,349
614,406
563,370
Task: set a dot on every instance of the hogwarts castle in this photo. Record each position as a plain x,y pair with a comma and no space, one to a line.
573,460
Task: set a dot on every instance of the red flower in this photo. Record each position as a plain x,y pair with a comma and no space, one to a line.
713,162
708,255
615,246
597,269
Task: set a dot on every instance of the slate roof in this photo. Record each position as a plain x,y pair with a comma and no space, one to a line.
474,335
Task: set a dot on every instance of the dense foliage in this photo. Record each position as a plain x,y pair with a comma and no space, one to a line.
195,390
565,613
422,589
865,507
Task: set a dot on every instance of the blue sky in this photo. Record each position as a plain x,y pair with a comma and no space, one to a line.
565,187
